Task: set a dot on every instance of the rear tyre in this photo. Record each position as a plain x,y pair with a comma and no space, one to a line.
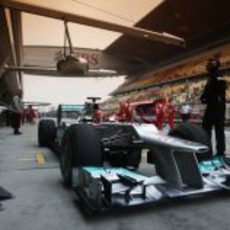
80,147
194,133
46,133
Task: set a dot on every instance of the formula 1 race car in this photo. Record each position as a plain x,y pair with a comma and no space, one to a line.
102,162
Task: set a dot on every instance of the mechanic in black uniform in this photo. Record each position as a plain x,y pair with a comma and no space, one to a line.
214,96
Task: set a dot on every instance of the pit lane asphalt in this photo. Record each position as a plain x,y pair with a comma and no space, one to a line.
42,202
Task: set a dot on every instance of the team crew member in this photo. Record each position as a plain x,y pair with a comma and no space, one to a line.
185,112
160,113
214,97
125,113
16,112
171,111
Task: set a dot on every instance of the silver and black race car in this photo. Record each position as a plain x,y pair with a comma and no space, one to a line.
104,162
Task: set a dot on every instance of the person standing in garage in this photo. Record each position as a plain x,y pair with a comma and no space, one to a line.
17,110
214,96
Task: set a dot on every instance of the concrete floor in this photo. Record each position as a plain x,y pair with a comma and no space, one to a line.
42,202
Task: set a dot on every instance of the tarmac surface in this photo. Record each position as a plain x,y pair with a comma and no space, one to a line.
42,202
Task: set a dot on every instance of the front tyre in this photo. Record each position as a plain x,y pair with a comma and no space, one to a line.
80,147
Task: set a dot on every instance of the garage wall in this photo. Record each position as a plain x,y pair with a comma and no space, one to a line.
8,80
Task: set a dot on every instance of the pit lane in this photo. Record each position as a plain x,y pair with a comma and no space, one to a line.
42,202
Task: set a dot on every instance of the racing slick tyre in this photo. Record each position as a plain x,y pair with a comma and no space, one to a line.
193,132
81,146
46,132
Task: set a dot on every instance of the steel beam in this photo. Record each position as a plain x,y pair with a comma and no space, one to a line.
75,18
16,22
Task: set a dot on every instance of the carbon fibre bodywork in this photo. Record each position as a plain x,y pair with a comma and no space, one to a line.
176,170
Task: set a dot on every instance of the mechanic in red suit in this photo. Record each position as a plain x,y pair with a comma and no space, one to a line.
125,112
159,111
171,111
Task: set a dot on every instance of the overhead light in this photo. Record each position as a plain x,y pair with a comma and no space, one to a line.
72,65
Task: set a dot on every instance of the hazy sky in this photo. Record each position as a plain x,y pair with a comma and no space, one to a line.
45,31
67,90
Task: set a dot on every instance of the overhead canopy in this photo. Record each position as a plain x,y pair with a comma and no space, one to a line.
42,24
88,13
202,24
199,22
